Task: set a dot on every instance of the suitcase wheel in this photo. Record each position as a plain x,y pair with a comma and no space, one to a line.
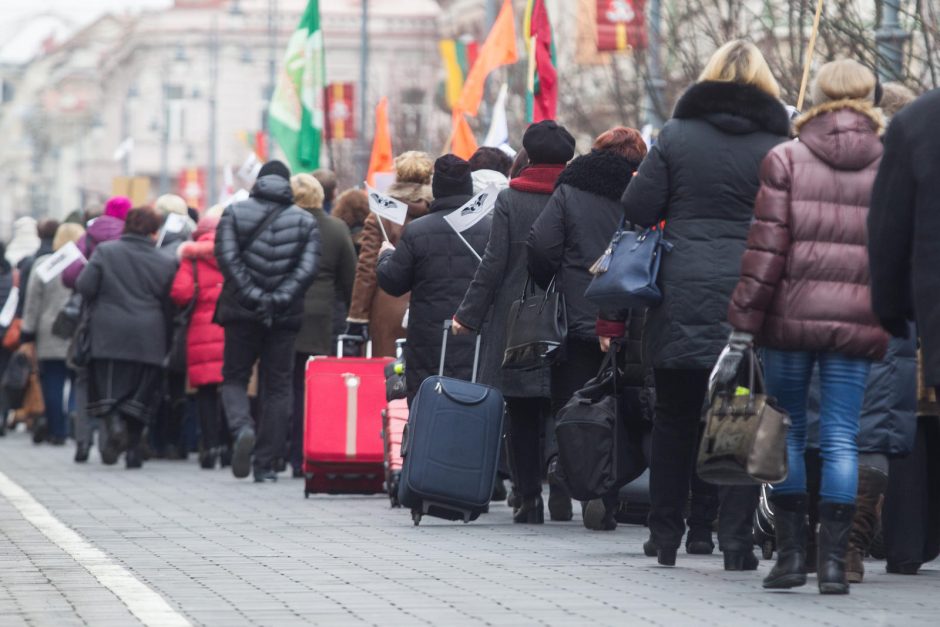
416,516
767,549
306,494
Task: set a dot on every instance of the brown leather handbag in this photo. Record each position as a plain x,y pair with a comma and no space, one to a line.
745,439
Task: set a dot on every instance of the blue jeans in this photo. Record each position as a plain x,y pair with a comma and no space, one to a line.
53,373
842,391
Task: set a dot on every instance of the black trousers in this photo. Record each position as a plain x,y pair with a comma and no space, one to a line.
680,397
526,416
246,343
213,425
295,444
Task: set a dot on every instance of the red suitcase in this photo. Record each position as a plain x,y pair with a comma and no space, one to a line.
343,448
394,419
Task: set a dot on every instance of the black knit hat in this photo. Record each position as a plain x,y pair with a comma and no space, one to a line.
276,168
548,143
451,177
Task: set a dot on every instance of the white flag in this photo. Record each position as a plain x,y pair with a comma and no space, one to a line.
9,308
475,210
498,135
387,207
124,149
57,262
248,171
174,223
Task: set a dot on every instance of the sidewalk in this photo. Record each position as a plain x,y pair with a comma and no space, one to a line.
227,552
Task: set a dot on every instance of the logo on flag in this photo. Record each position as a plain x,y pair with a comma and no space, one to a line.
53,265
387,207
473,211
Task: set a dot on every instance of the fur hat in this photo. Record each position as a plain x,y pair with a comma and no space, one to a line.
308,192
275,168
451,177
171,203
117,207
548,143
413,167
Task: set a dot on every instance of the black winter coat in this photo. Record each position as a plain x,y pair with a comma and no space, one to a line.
499,281
701,177
574,230
433,264
266,281
904,226
127,284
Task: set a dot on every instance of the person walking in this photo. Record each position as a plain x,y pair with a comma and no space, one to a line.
701,177
105,227
432,263
126,285
44,301
6,288
335,276
490,166
804,296
500,280
199,278
567,238
267,250
352,207
373,312
904,223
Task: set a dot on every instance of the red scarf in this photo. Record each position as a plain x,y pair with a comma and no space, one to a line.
537,179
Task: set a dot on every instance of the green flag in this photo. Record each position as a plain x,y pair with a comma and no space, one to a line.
296,112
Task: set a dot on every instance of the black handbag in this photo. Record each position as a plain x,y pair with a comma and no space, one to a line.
537,329
599,449
66,321
176,358
16,380
625,276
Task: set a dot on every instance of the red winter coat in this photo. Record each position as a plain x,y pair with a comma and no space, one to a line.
805,282
206,341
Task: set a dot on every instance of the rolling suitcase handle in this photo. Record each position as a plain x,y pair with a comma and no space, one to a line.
342,338
448,324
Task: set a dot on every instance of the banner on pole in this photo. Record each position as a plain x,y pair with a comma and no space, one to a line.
621,25
475,210
340,105
387,207
57,262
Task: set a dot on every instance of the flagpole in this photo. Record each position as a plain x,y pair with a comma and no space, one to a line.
809,55
382,226
471,248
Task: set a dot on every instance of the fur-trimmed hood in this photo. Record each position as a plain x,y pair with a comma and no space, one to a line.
734,108
417,195
599,172
843,133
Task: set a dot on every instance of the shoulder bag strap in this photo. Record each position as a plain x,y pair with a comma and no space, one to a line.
258,230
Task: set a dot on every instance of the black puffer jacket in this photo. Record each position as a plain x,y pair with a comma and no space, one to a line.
266,281
433,264
574,229
701,177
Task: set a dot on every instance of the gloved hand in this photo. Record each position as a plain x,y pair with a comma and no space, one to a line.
897,327
353,347
725,372
267,311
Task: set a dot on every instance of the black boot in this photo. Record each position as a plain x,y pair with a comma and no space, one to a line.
559,500
82,450
598,515
530,511
790,527
698,541
835,522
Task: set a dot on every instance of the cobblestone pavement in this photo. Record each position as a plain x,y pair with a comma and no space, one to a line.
227,552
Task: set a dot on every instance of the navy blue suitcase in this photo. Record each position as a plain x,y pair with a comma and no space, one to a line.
451,446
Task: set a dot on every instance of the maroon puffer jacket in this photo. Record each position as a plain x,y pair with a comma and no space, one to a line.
805,281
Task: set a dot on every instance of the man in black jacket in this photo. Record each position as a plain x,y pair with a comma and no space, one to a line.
904,229
267,250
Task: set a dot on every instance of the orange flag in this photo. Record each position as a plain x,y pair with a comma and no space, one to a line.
499,49
462,143
381,159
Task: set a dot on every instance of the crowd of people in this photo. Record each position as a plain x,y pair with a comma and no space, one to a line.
814,237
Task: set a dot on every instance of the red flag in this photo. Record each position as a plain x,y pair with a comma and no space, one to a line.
545,91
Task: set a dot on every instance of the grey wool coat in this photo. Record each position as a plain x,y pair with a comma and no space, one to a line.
44,301
499,281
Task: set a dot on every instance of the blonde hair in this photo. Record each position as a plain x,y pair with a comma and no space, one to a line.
845,79
740,61
414,167
896,96
67,232
308,193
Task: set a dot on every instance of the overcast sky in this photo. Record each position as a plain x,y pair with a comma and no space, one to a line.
25,24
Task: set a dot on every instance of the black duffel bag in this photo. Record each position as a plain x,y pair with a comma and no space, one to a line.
599,449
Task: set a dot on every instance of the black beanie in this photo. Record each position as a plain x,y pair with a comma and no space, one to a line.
548,143
276,168
451,177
